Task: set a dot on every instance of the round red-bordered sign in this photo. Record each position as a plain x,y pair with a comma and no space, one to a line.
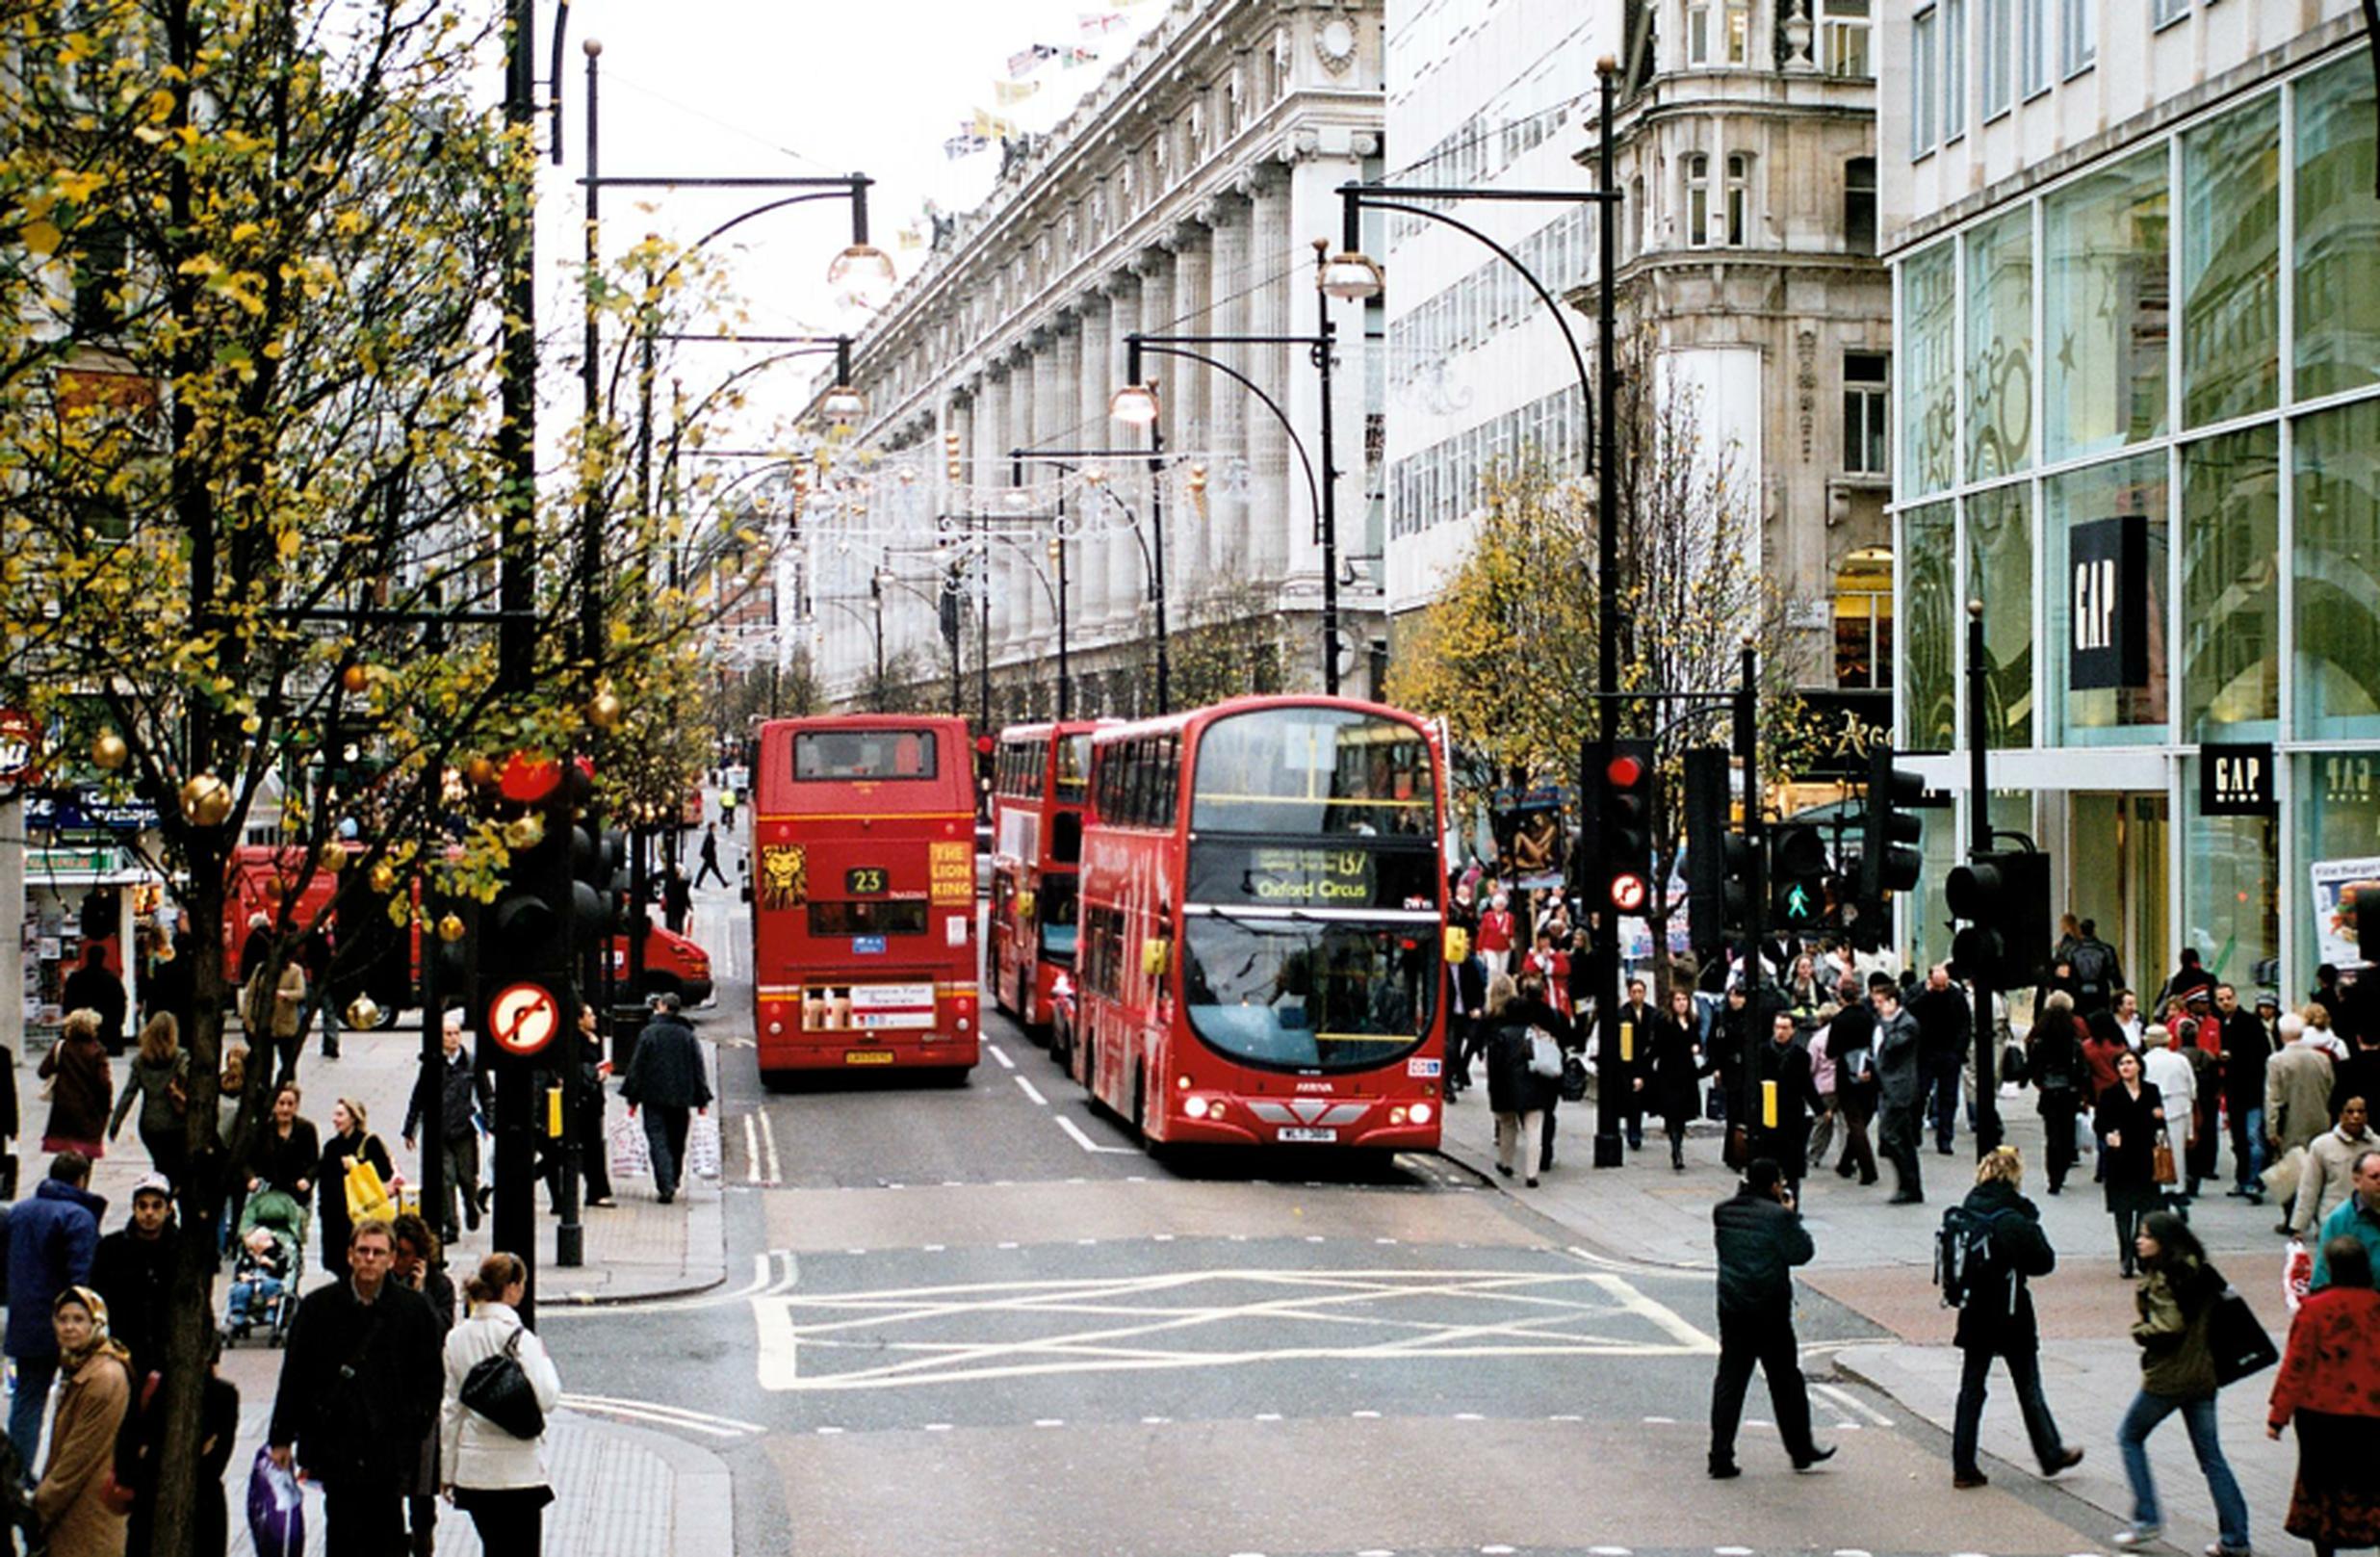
524,1018
21,746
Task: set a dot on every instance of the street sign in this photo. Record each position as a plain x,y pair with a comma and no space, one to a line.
524,1018
20,747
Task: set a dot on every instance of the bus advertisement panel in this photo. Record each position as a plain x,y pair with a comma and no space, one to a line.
863,896
1039,781
1262,937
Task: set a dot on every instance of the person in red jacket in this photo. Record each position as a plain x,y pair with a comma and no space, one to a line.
1495,935
2329,1386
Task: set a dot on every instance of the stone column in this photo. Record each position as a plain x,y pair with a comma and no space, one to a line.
1092,599
1193,404
1012,618
1228,281
1272,508
1182,537
1126,579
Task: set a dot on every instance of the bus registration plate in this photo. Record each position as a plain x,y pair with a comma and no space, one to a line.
1303,1134
867,1056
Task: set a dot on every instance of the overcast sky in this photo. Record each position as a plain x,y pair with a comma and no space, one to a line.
798,88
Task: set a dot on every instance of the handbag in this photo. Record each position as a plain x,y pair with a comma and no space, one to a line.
2013,1064
1544,1054
2238,1339
1573,1078
497,1389
367,1193
2162,1159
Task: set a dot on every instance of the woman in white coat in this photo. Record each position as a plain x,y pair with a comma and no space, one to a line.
2165,1068
498,1479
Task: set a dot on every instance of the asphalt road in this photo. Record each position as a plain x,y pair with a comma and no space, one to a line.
978,1322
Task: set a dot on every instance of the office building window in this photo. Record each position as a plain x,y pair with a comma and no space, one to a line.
1739,197
1930,373
1863,618
1921,84
2000,354
1932,623
2165,12
1992,69
2033,46
2078,36
1698,34
2231,585
1738,31
1697,198
2230,265
2338,316
2105,307
1953,109
1843,37
1867,396
1859,205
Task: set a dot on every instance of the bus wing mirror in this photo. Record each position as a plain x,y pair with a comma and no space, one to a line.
1458,943
1156,955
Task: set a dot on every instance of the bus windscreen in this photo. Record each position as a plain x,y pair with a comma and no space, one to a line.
845,755
1313,772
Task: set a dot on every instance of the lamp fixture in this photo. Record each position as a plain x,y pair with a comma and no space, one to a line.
1134,404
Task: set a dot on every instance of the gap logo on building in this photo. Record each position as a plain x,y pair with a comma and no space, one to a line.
2108,596
2234,779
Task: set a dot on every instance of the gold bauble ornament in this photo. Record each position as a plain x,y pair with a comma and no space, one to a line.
356,679
364,1012
450,928
206,800
481,772
383,878
604,711
109,751
331,857
524,833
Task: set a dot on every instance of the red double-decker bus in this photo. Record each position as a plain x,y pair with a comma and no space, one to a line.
1261,950
1040,778
864,895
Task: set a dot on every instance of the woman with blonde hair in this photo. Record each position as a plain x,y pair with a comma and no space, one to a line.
94,1390
349,1143
494,1473
1997,1317
81,1088
160,1082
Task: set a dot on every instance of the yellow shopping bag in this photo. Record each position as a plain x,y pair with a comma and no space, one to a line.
367,1196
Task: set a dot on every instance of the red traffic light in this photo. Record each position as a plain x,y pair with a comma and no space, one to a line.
984,745
1628,893
1624,771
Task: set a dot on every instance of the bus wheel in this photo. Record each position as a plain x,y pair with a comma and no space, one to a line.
1140,1106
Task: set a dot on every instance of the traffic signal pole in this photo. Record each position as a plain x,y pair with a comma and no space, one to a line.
1978,844
1742,1110
1605,973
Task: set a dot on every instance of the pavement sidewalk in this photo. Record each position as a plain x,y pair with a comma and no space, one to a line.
1875,1259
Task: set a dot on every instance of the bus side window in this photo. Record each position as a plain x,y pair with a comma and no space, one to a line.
1066,838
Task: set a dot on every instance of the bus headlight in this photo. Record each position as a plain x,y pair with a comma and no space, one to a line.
1197,1107
1419,1113
776,1029
963,1024
1396,1115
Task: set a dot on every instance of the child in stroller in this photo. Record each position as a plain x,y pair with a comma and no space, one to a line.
272,1231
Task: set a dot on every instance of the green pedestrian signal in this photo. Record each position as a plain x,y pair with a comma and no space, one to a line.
1797,903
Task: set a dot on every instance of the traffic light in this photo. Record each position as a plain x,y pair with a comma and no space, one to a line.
2004,898
1715,899
1797,877
522,932
1616,833
1889,859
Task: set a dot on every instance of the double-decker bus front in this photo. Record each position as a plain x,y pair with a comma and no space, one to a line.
863,896
1037,804
1311,926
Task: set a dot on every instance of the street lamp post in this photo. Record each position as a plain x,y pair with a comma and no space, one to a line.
1057,560
1353,274
1151,570
876,583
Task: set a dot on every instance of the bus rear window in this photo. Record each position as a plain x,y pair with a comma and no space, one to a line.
903,917
842,755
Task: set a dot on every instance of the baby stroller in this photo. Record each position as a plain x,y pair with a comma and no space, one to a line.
272,1256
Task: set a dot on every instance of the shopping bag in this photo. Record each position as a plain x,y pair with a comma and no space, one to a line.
702,1147
2297,1272
2237,1337
626,1150
367,1194
2281,1179
276,1510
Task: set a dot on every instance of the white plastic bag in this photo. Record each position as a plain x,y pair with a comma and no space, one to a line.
2297,1272
702,1147
627,1152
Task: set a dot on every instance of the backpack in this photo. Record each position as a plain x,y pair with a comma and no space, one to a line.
2090,963
1966,1265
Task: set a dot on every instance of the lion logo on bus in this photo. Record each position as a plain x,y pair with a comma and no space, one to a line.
785,876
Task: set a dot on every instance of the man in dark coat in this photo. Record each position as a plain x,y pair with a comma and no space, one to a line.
1996,1319
666,1079
1898,1102
1945,1016
52,1239
2244,1048
92,987
1851,1043
1632,1037
133,1270
462,1087
1760,1239
1785,1072
361,1382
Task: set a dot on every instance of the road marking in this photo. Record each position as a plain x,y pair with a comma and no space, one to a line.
1365,1416
1567,1416
969,1332
1638,1267
645,1411
1661,1421
768,1145
1050,1421
1084,1141
1001,1054
752,1150
1852,1402
1469,1417
1155,1421
1268,1417
938,1427
1031,1091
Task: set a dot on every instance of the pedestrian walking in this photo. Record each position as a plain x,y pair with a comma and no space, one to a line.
1850,1042
358,1392
1533,1009
417,1261
1672,1072
1630,1063
1760,1239
133,1270
1517,1095
2129,1118
53,1237
666,1080
2297,1089
1467,1032
1823,1076
2329,1176
321,953
81,1088
2169,1072
496,1475
464,1098
272,1006
350,1144
2246,1049
1945,1017
1496,934
160,1084
94,986
1899,1121
79,1518
2176,1306
286,1155
1996,1319
2054,1059
1788,1099
2098,970
2359,1074
677,899
594,1155
2356,1217
710,856
2329,1390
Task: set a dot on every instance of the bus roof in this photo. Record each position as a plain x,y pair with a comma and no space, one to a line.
1109,732
1069,727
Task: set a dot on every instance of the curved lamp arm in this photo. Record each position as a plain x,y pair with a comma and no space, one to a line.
1313,488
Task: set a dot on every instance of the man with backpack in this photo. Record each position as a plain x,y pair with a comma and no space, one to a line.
1988,1248
2097,971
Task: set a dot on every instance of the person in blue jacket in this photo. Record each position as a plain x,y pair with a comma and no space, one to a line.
52,1238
